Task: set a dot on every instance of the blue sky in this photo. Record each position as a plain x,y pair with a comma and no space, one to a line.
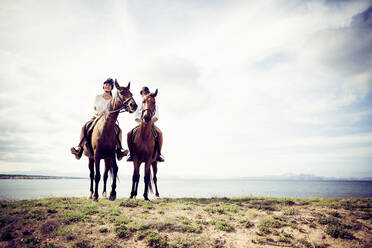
246,88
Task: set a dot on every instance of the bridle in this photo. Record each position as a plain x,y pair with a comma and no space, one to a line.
152,112
125,107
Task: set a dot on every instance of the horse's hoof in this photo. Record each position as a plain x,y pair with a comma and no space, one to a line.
157,195
112,197
146,198
95,198
104,195
90,196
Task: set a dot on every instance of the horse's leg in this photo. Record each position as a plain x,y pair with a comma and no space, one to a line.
91,175
114,168
147,179
135,178
97,178
155,179
105,176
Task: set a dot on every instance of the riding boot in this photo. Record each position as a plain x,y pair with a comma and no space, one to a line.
77,152
120,152
160,157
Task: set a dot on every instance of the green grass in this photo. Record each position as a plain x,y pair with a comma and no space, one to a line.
267,224
337,231
70,217
246,223
224,226
182,222
123,231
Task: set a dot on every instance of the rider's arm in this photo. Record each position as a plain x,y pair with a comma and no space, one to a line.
138,115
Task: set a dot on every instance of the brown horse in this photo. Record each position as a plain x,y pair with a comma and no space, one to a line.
144,149
103,141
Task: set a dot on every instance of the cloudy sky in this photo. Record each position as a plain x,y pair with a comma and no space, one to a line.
246,88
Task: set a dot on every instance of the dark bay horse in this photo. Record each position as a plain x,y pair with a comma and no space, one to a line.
144,150
103,141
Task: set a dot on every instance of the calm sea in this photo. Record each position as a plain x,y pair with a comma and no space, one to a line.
18,189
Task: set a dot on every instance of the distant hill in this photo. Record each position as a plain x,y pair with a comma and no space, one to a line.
13,176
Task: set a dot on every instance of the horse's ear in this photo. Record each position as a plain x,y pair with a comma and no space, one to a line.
128,85
155,94
116,84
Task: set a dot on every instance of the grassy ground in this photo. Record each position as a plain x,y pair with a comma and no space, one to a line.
194,222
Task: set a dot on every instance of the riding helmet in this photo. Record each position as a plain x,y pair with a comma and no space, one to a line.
145,89
109,81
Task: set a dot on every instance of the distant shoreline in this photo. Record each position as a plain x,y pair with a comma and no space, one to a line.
6,176
268,178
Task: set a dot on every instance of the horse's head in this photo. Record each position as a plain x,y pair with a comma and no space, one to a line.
125,97
148,107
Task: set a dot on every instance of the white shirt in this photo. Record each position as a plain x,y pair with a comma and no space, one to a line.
139,113
101,104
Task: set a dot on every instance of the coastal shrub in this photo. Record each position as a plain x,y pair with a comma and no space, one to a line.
290,211
122,219
335,214
153,239
103,229
224,226
90,210
123,231
142,226
328,220
284,240
192,229
246,223
31,240
184,220
336,231
130,203
306,243
74,217
265,225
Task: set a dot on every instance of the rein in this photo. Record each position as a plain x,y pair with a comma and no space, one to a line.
123,108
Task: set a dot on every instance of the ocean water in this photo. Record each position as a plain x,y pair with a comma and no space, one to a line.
19,189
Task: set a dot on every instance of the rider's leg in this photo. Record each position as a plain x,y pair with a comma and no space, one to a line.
160,143
130,145
78,151
120,152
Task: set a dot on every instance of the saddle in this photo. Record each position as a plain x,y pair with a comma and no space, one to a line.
134,131
154,133
89,130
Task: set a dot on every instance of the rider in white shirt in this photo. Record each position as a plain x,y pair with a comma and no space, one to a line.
101,105
144,93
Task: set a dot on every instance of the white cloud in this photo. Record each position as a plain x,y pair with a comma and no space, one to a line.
241,84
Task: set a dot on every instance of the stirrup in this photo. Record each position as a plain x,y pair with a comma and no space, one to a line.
130,158
160,158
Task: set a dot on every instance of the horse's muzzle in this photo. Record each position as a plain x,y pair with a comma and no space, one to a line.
147,118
